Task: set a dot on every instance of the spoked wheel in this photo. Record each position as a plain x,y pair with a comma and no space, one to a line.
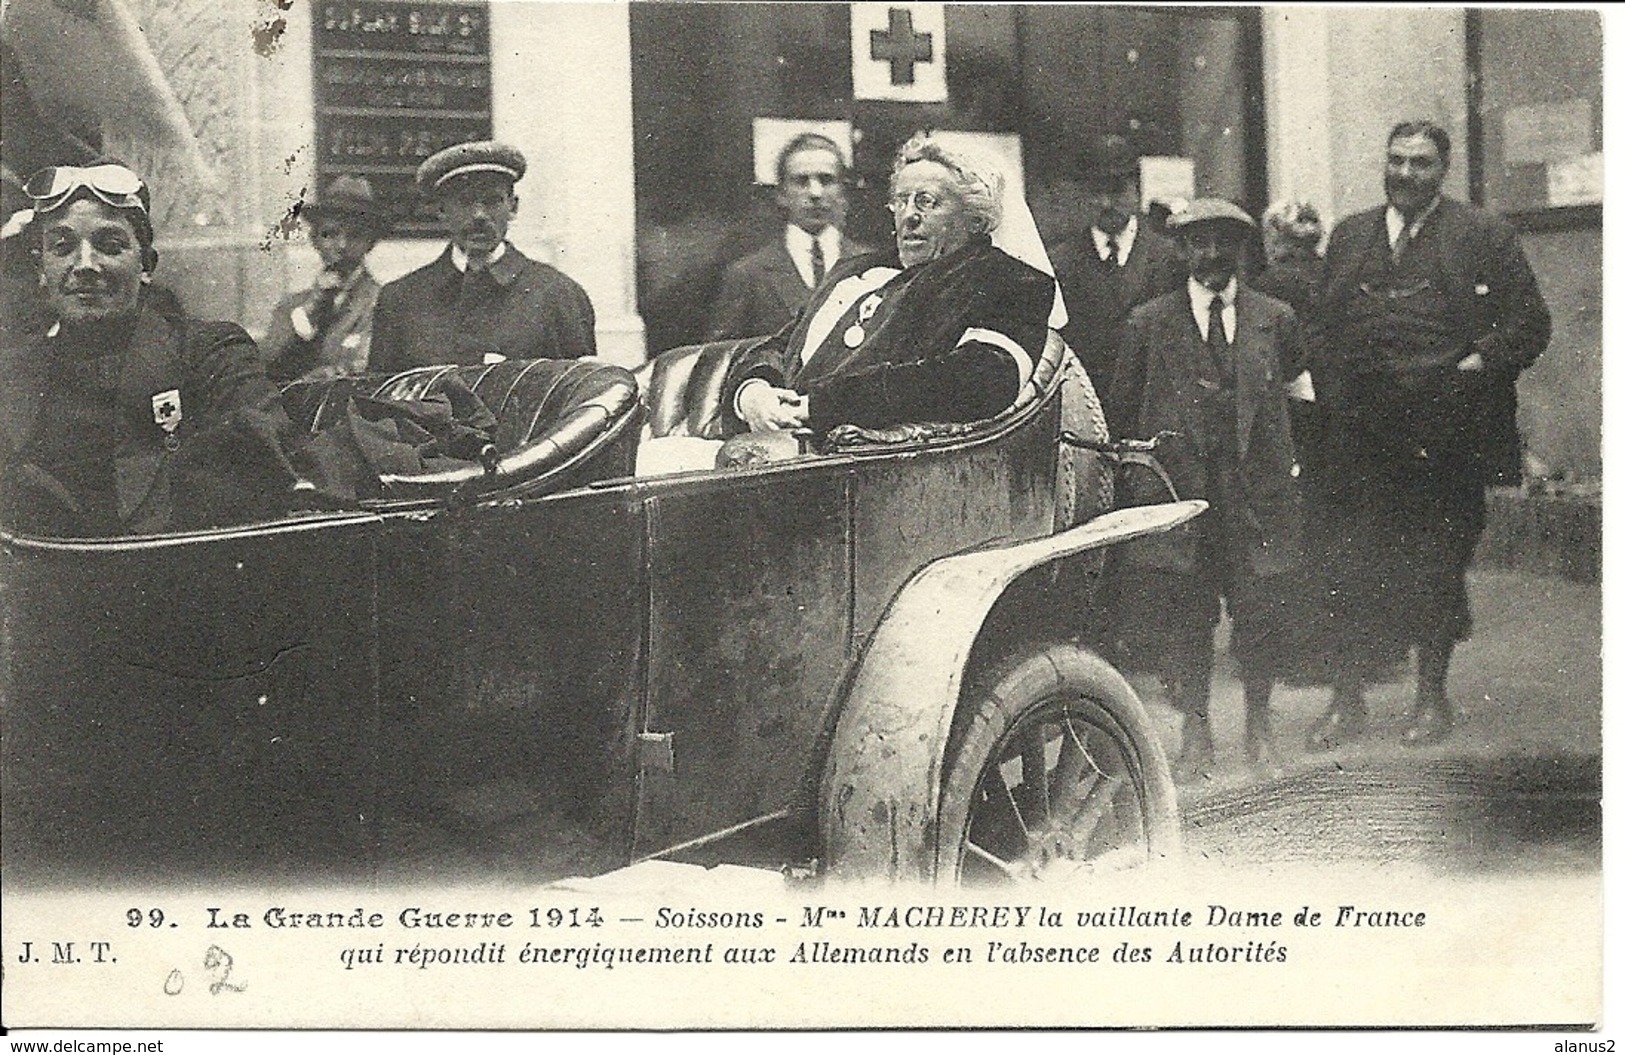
1056,774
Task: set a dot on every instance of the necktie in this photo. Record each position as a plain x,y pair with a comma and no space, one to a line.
817,262
1400,243
322,311
1218,346
1110,259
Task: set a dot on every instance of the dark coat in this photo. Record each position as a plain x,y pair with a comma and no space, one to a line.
226,461
1295,280
1156,383
1497,309
762,292
343,347
1099,297
911,363
528,311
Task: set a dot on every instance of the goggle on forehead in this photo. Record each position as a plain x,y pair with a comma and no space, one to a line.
113,184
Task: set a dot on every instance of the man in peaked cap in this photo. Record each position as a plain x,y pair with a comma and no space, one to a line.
482,300
326,330
1205,362
1114,266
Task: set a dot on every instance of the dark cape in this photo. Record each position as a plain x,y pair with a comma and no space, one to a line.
900,354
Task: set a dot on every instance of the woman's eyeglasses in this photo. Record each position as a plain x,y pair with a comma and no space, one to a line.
113,184
925,203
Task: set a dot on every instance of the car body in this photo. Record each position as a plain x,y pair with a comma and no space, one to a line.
665,659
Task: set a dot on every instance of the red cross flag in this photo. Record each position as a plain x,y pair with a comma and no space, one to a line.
900,52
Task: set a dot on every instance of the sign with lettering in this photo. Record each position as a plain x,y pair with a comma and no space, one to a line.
396,81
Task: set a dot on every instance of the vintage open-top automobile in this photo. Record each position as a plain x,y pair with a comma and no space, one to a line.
865,645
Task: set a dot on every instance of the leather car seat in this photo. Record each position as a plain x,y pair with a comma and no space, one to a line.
682,388
553,417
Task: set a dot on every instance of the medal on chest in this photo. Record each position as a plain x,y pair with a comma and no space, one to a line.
854,334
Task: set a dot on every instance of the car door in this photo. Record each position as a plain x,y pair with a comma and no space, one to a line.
749,580
511,668
199,703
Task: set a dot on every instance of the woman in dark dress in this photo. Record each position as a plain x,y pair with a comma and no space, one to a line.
1293,232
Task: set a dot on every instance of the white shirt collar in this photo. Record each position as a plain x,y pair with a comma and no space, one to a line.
1201,298
1125,240
459,259
1396,221
798,244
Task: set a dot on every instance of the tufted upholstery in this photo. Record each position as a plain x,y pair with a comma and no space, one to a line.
553,415
1044,371
683,388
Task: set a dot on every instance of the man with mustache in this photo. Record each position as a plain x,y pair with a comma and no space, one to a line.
1429,311
1206,364
482,300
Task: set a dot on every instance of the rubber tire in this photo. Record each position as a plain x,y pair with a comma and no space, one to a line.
1084,480
1018,689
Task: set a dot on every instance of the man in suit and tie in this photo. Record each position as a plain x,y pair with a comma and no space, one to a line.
482,300
1204,362
1430,311
1115,266
763,291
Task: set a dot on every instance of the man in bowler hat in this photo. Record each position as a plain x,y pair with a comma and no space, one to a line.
326,330
1119,263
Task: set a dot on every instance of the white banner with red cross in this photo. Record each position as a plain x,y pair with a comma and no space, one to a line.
900,52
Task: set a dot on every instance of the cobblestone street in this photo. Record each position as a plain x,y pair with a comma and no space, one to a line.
1519,784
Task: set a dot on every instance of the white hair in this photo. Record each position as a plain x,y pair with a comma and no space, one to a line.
980,183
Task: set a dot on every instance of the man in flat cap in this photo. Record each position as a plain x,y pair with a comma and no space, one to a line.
1205,362
326,330
482,300
1116,265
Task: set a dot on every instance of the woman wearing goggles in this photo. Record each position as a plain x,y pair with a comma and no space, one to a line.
119,419
113,184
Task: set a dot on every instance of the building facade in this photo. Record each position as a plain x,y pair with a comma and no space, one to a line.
640,124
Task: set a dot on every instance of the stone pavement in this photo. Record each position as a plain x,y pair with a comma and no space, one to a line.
1518,784
1528,682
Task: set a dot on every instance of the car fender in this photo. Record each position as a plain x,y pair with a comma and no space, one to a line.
879,796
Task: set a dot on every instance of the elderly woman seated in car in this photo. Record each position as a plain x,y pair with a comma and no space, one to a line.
119,419
944,327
